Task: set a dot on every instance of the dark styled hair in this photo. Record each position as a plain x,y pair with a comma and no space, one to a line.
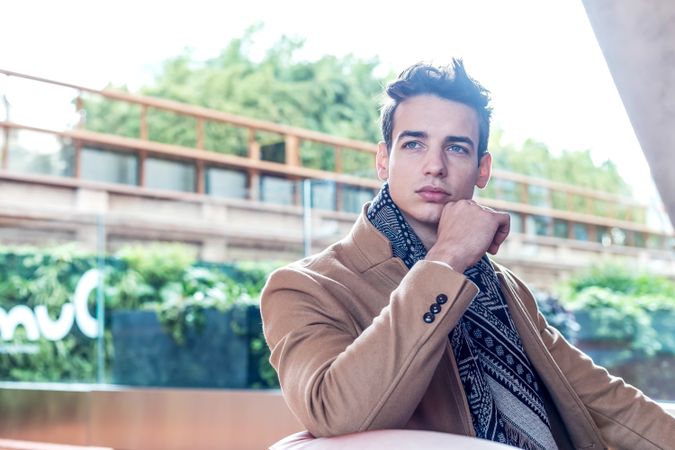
449,82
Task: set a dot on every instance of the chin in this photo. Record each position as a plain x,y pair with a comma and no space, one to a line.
430,215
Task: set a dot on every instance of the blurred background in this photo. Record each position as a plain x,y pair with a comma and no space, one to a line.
159,160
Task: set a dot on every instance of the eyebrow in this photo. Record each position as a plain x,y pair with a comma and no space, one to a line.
447,140
464,139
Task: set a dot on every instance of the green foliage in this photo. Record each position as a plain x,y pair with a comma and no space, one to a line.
31,277
625,306
621,280
181,304
164,278
626,325
618,317
558,316
334,95
573,167
157,262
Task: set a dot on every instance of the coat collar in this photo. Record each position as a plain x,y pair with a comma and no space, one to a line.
367,247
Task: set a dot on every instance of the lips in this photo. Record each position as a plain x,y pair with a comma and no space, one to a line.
433,194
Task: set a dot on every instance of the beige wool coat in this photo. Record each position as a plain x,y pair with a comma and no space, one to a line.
353,353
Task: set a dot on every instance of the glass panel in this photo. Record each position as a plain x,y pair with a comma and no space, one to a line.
171,175
639,215
600,207
4,102
353,198
580,232
505,190
171,128
112,117
323,195
277,190
538,195
317,156
516,222
561,228
577,203
224,138
40,153
2,142
603,236
358,163
50,327
40,104
559,200
109,166
618,236
538,225
655,241
638,239
173,321
272,146
226,183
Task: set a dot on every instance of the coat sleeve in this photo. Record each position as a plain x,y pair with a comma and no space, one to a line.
337,380
626,418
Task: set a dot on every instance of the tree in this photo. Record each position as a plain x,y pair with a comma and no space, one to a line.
338,96
573,167
333,95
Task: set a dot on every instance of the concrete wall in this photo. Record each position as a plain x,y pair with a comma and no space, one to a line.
232,229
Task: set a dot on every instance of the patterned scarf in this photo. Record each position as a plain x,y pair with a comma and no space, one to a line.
499,382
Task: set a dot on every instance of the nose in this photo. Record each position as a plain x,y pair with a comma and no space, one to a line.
435,164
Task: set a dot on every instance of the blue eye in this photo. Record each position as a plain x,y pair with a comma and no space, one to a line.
412,145
457,149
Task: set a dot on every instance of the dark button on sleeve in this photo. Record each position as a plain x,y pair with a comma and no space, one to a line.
441,299
435,308
428,317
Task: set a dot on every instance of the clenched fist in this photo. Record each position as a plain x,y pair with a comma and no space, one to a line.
466,230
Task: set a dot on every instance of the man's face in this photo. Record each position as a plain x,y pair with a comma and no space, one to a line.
433,159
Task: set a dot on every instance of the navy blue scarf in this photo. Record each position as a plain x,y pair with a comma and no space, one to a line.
499,382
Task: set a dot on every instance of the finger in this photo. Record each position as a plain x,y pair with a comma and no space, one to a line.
494,248
503,229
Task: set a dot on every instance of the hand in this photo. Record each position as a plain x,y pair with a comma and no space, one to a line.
466,230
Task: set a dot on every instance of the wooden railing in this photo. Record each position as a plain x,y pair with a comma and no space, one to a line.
525,196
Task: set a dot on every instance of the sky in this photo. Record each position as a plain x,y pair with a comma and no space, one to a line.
539,58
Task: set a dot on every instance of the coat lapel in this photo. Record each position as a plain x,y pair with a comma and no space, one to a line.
583,433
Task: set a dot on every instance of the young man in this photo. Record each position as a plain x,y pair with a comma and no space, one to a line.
406,323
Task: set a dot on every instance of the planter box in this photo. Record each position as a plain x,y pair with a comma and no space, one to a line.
604,351
146,355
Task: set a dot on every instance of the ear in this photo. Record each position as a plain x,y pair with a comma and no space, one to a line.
382,161
484,170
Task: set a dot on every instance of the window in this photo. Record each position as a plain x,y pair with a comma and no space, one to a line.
277,190
639,239
538,195
580,232
516,222
354,197
226,183
109,166
603,236
40,153
170,175
538,225
504,190
323,195
561,228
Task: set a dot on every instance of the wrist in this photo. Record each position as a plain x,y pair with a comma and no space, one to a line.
455,262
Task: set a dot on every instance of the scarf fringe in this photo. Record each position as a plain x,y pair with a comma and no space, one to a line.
516,437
